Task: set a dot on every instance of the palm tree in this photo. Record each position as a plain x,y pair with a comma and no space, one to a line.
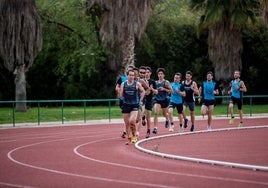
224,20
265,11
120,22
20,40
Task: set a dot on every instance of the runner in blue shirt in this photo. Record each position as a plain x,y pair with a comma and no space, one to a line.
133,94
161,98
122,78
176,101
238,87
208,90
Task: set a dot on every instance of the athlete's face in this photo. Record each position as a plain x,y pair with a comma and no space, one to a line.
209,77
131,75
236,74
160,75
177,78
136,74
148,74
188,77
142,73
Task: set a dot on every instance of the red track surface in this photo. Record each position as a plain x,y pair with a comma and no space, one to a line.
96,156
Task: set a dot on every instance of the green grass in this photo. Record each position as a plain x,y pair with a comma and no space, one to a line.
50,114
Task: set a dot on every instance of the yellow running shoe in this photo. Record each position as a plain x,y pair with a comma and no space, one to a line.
134,139
231,121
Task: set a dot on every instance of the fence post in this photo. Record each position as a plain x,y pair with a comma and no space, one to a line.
250,106
227,110
13,114
109,111
38,112
62,113
85,113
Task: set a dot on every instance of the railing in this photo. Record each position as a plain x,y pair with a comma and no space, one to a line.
62,107
108,102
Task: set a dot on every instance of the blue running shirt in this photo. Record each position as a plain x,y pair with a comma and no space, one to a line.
161,95
236,89
175,96
208,90
130,93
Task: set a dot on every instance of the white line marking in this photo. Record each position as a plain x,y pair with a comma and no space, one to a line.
78,175
199,160
161,171
15,185
116,164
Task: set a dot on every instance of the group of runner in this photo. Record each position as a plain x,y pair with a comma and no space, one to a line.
139,94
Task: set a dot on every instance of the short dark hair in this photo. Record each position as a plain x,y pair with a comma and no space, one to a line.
161,70
130,70
178,74
210,72
149,68
142,67
130,66
189,72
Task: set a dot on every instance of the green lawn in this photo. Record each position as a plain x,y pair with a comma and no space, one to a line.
48,114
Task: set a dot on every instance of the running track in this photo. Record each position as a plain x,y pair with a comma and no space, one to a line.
96,156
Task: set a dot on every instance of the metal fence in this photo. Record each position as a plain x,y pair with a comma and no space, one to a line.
83,107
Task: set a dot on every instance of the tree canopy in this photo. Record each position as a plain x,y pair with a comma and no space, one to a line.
74,65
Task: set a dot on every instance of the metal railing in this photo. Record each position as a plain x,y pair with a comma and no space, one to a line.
62,107
84,105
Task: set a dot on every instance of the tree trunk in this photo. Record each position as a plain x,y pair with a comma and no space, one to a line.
20,86
128,51
265,13
225,49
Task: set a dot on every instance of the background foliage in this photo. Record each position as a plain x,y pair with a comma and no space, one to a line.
73,64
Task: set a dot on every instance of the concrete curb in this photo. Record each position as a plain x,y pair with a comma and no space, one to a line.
113,121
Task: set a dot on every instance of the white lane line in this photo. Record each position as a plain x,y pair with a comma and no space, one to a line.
161,171
77,175
121,165
15,185
199,160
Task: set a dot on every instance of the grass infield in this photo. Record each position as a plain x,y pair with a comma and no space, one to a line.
74,113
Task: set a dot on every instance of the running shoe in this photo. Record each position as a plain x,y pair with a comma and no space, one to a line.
148,134
171,128
134,139
209,128
240,125
137,134
231,121
124,134
167,124
128,141
155,130
181,129
143,120
185,123
192,128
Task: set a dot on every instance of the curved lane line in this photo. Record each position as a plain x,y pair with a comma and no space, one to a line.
116,164
15,185
77,175
199,160
161,171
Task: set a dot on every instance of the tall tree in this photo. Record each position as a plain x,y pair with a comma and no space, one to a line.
120,22
265,11
20,41
224,20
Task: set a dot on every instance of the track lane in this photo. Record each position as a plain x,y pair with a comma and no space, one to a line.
78,156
